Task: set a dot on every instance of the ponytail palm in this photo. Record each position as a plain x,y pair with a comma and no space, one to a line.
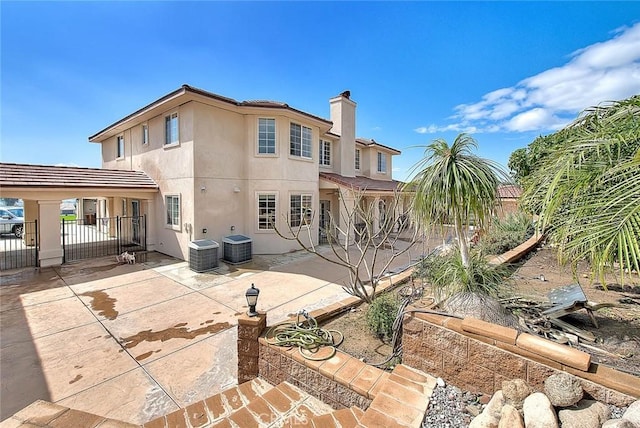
452,185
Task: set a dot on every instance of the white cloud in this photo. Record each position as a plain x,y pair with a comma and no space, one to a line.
601,72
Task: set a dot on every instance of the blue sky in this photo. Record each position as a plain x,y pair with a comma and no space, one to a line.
503,71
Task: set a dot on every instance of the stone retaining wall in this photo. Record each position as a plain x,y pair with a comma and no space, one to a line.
342,381
478,356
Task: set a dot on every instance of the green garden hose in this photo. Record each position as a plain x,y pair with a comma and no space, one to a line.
307,336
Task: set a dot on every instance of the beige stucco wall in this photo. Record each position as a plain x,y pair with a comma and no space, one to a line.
371,164
171,167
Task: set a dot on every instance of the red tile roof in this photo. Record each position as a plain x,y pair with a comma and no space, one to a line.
362,183
48,176
372,142
509,191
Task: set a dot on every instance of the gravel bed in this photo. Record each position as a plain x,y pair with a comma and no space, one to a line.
448,407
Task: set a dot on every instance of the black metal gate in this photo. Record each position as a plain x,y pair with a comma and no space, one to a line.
19,247
100,237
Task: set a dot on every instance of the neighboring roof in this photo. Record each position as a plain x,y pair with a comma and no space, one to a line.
190,89
362,183
48,176
509,191
372,142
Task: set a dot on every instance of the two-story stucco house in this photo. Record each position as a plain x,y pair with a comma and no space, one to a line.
226,167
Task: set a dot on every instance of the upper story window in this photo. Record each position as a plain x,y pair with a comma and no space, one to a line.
357,159
325,153
300,210
382,162
145,134
171,129
266,136
266,211
173,211
120,146
300,141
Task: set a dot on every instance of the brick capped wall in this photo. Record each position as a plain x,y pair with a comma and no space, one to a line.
333,381
480,360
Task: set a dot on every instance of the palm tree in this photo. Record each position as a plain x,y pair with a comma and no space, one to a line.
587,190
452,185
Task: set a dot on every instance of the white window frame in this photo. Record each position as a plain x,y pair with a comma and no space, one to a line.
120,147
357,160
382,163
145,134
266,146
169,139
301,213
171,221
324,157
304,147
261,225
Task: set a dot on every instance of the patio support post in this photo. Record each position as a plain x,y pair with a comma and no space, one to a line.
50,253
249,330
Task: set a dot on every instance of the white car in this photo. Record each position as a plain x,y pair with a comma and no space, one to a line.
10,222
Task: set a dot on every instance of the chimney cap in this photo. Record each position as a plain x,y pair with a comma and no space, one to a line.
346,94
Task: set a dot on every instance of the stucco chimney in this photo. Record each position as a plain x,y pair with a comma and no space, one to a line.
343,116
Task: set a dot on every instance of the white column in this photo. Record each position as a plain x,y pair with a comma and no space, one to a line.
50,253
375,227
149,210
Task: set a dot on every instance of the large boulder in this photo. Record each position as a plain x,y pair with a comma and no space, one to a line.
515,391
483,420
619,423
494,406
510,418
586,414
490,416
632,414
538,412
563,389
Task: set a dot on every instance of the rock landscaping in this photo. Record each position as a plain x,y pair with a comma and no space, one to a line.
562,404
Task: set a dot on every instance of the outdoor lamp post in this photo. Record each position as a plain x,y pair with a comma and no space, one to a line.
252,299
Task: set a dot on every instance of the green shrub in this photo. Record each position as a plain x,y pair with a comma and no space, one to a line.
506,234
447,275
382,313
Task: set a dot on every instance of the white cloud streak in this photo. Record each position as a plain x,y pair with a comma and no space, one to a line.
604,71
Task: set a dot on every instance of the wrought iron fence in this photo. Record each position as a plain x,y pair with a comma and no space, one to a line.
19,247
82,239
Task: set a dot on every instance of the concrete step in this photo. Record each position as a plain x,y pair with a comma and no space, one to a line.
343,418
401,400
206,412
283,406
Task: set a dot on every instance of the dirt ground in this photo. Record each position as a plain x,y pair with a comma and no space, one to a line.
617,340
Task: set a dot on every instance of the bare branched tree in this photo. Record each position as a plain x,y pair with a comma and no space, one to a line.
365,239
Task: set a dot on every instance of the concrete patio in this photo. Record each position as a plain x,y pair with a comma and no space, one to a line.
132,342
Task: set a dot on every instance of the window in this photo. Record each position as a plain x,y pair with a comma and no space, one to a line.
173,211
300,141
357,159
145,134
120,147
266,212
266,136
171,133
325,153
300,210
382,162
